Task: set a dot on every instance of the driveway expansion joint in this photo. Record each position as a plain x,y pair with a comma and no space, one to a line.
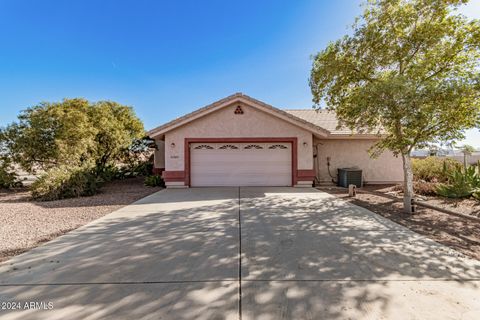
239,257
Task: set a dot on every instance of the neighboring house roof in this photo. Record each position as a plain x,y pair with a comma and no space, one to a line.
322,123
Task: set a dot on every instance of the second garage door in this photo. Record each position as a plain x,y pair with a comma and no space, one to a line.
240,164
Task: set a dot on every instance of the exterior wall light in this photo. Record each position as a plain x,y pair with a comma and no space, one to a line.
172,145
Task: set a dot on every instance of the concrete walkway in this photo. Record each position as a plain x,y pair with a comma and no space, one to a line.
249,253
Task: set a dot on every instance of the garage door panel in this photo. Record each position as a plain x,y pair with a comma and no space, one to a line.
241,164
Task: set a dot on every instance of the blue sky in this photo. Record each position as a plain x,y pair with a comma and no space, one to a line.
166,58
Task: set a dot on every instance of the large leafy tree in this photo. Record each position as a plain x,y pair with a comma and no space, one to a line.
72,132
408,71
117,129
50,134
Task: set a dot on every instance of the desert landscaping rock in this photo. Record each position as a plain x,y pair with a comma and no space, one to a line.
25,223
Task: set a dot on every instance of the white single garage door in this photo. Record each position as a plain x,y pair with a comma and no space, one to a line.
240,164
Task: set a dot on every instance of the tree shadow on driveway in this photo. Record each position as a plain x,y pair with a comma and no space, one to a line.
313,256
145,261
304,255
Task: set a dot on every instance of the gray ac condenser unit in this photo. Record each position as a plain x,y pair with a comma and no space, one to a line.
348,176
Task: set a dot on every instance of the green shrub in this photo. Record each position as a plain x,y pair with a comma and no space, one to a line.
433,169
143,168
8,177
66,182
154,181
461,183
110,173
113,172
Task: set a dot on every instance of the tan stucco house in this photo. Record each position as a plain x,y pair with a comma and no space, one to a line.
241,141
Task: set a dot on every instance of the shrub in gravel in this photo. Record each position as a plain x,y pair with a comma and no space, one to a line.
114,172
142,168
109,173
154,181
8,177
433,169
66,182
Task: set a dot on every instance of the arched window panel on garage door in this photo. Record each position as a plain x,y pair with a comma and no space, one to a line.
254,146
203,147
279,146
228,147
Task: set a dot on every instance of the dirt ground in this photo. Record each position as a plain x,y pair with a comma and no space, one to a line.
25,223
456,232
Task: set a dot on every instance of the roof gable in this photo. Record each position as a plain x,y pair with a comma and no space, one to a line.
228,101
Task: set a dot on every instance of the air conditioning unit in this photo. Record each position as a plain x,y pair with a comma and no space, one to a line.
348,176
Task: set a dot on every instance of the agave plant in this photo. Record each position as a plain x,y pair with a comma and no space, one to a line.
461,183
476,194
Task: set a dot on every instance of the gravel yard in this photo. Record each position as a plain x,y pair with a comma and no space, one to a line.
25,223
456,232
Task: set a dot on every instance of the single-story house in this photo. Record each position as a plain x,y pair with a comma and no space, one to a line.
241,141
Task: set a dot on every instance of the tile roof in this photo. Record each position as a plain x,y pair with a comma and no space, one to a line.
323,118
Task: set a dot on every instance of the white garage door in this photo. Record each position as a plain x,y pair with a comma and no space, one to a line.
240,164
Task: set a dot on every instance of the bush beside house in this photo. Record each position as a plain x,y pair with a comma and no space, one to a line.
154,181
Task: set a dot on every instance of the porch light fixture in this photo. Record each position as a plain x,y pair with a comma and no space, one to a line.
172,145
305,144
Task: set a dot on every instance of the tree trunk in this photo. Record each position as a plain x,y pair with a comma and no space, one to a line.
407,183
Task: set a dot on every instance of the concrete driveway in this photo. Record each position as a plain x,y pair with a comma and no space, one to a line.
250,253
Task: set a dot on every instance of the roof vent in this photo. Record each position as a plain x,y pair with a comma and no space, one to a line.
238,110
